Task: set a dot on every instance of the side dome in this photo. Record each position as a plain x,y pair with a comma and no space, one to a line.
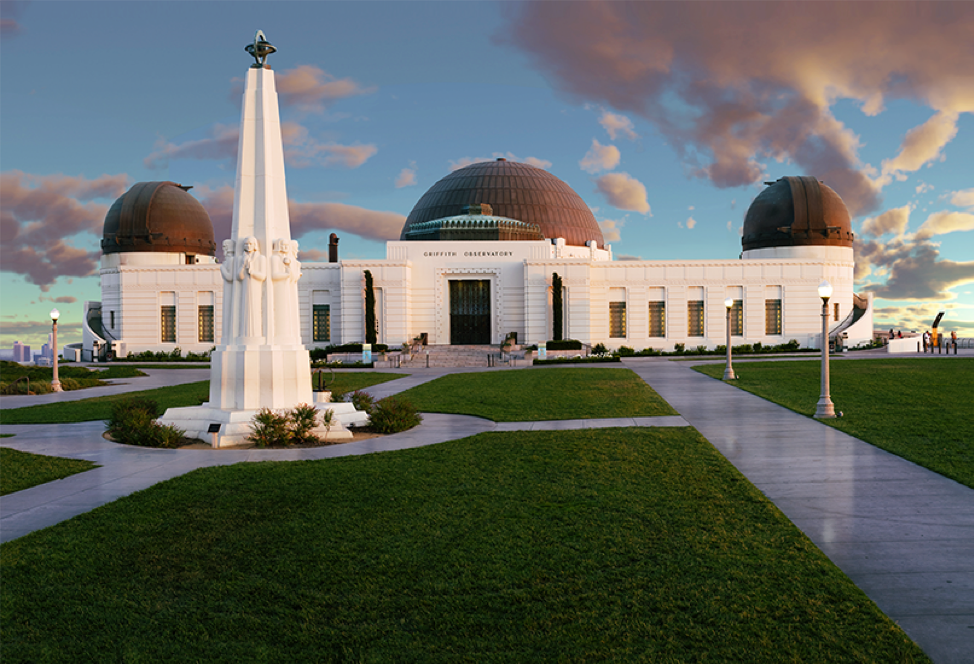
513,191
796,212
158,217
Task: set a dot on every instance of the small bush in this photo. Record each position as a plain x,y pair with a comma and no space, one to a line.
679,349
564,344
269,428
393,415
362,401
302,420
625,351
600,350
132,422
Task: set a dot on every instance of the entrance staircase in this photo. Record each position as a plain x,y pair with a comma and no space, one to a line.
461,356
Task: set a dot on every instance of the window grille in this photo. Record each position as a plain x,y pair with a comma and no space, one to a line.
737,318
772,316
321,322
168,323
657,319
206,323
617,319
695,318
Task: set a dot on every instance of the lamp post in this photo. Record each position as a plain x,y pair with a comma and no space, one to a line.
55,383
825,408
729,370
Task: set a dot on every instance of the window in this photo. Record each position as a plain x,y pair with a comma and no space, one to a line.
836,312
737,318
657,319
111,319
617,319
772,316
168,323
321,322
206,323
695,318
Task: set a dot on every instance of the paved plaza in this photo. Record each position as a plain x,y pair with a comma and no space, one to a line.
903,534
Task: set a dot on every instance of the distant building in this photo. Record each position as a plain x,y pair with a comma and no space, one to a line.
21,352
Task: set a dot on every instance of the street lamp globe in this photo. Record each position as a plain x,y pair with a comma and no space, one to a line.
55,314
825,290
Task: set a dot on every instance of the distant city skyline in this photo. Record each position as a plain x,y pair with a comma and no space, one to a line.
665,117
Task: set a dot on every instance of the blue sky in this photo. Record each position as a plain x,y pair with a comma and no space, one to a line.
665,117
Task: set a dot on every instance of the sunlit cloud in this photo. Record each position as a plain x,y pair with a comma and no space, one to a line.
942,222
611,229
728,104
457,164
691,222
307,88
38,213
600,158
407,176
963,198
617,125
916,271
892,221
623,191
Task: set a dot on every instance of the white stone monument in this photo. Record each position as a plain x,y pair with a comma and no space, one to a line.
260,362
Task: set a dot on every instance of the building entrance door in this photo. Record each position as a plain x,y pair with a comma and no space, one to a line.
469,311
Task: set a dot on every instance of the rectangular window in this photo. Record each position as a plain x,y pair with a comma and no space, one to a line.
321,322
657,319
169,323
695,318
737,318
111,319
772,316
617,319
836,312
206,323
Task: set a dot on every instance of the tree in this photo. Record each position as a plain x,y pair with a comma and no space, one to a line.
371,329
556,307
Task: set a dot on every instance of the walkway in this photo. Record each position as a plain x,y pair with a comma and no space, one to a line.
903,534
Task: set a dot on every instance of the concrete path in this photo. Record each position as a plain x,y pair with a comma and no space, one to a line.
902,533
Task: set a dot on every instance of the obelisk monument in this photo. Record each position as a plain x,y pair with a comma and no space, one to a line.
260,361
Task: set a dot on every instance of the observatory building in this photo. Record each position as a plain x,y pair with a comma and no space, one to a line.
475,261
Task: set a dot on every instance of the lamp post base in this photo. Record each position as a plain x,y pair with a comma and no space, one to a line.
825,409
729,374
56,386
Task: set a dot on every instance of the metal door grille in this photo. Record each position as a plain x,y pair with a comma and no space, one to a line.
469,312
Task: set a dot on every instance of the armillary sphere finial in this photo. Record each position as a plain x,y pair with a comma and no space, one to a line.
260,49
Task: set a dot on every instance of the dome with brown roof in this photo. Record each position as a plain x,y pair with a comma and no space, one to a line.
794,212
158,217
513,191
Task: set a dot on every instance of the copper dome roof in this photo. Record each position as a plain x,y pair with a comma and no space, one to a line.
158,216
515,191
797,211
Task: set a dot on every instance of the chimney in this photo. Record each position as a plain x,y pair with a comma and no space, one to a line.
333,248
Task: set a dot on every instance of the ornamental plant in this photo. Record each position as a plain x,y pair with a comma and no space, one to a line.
392,415
132,422
269,427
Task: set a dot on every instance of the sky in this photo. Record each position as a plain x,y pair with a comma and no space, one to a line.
666,118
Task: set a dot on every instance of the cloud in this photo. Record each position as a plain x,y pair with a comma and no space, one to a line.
691,222
627,257
920,317
623,191
921,145
915,273
726,104
939,223
300,149
923,188
10,12
892,221
509,156
617,125
407,176
611,229
37,214
307,217
62,299
312,89
962,198
600,158
313,255
34,333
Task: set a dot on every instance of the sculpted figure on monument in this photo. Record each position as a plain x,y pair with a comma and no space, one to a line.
285,272
251,272
227,270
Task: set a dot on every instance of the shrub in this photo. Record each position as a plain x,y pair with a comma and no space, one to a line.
649,352
393,415
362,401
564,344
600,349
758,347
132,422
625,351
679,349
269,428
302,420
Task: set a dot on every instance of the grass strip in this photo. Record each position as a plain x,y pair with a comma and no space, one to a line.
354,380
173,396
540,394
613,544
919,409
22,470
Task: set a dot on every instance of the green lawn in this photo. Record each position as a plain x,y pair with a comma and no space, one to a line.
612,544
22,470
919,409
175,396
71,377
529,395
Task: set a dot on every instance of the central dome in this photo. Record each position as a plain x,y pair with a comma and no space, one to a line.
514,191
